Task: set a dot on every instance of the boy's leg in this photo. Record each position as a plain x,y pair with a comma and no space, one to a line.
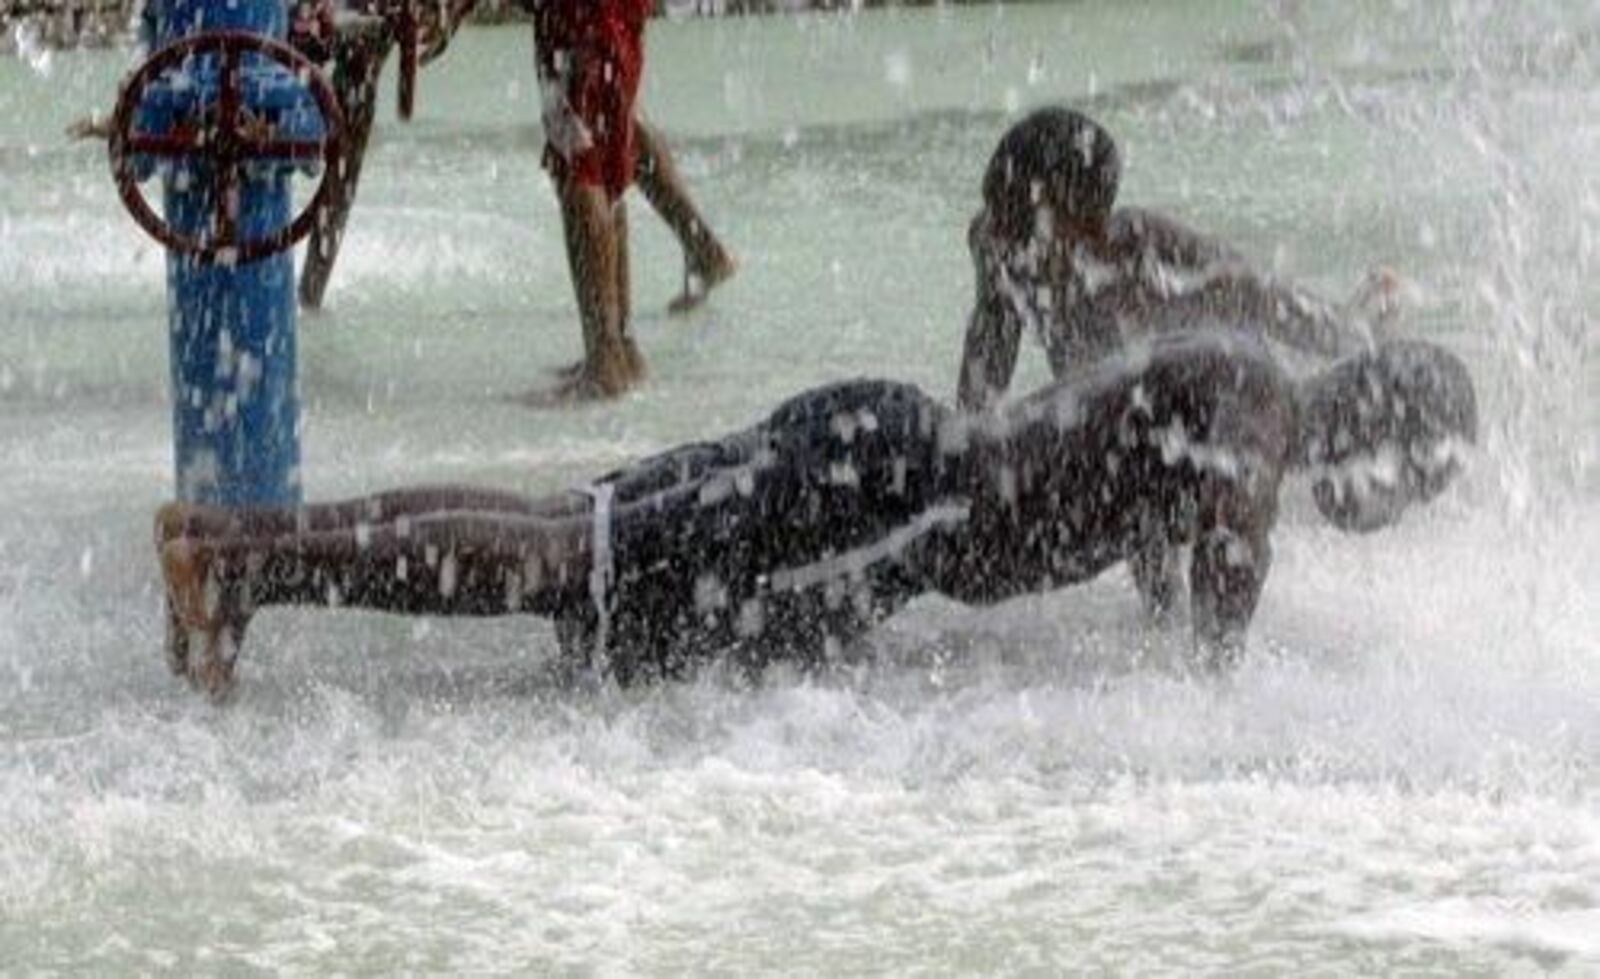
572,375
358,61
218,571
475,564
630,349
707,263
611,362
589,66
176,520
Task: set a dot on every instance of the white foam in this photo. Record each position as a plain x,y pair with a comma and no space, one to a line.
1403,766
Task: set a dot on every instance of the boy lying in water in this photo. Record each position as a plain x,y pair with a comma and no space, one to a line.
796,535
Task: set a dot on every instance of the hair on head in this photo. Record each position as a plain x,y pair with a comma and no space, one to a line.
1055,156
1383,431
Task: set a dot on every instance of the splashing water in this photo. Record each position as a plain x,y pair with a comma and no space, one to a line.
27,40
1401,776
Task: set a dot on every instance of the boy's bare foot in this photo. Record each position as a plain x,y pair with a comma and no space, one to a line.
174,521
572,373
574,389
568,371
699,279
206,619
612,376
633,363
565,393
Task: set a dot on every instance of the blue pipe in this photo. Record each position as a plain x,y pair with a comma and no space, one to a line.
232,326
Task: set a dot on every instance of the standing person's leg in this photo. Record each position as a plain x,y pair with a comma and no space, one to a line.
630,349
572,375
590,75
596,257
359,54
707,263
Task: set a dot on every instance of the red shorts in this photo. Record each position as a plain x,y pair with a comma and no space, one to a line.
595,49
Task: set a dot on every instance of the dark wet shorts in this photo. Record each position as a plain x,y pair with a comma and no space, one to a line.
782,541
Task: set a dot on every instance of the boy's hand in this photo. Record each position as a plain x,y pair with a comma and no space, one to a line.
564,129
1377,301
1380,292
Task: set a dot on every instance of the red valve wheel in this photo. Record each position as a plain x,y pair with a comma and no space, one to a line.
228,143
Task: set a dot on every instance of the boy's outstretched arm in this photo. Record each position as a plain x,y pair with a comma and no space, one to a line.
1204,279
1287,314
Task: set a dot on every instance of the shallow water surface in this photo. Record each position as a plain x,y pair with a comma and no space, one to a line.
1402,776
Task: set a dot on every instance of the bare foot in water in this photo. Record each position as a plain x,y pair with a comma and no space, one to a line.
699,280
581,383
567,372
206,619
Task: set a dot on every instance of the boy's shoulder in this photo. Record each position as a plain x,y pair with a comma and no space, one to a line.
1137,230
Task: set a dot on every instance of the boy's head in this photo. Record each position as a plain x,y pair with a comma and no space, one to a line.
1054,158
1385,430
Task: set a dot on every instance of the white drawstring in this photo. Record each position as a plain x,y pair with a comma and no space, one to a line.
601,572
